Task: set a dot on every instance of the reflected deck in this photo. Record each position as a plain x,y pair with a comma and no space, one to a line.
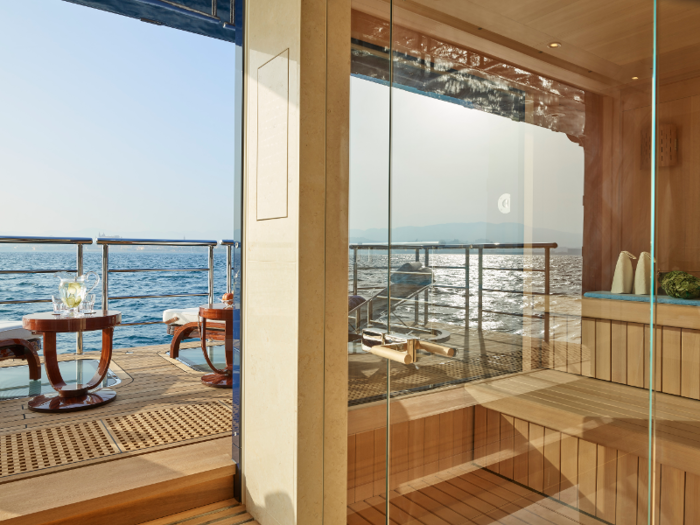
160,404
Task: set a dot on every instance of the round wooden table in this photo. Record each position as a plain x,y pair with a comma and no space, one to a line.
218,312
78,396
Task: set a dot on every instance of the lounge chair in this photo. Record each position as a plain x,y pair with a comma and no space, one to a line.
18,343
184,324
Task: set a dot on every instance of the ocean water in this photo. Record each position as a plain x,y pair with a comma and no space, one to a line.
565,281
43,286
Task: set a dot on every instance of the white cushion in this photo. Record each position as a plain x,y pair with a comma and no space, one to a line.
184,315
14,330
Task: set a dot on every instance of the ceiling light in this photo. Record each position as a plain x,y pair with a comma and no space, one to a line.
554,45
635,78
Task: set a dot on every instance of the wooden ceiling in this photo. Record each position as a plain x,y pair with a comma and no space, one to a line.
604,42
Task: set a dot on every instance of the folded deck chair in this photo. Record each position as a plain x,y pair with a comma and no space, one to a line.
184,324
18,343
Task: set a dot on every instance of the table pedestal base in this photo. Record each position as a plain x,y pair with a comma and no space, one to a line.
55,403
218,380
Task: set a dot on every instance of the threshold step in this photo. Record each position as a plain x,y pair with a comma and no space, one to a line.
228,512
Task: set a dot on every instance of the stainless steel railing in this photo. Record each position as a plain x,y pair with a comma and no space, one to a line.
105,243
79,242
427,248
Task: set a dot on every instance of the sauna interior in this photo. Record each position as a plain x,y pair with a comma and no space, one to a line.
517,148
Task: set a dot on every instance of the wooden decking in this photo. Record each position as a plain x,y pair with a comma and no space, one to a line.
160,404
469,497
228,512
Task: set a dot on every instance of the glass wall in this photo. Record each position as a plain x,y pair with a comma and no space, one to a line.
531,163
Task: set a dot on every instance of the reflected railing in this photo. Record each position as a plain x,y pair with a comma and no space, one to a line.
421,298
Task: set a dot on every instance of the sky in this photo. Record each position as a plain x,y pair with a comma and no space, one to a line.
111,125
451,164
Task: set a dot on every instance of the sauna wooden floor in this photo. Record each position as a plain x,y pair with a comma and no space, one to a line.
473,498
228,512
159,405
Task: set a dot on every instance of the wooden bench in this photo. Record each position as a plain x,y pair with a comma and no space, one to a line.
579,440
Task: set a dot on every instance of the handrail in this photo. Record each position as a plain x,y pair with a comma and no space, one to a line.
230,244
44,240
427,247
106,242
118,241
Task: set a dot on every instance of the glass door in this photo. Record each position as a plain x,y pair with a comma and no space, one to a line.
519,335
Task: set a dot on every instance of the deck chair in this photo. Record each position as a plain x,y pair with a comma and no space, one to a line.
18,343
183,324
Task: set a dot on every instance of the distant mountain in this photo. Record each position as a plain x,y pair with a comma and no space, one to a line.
481,232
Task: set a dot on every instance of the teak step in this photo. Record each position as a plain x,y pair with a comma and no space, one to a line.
228,512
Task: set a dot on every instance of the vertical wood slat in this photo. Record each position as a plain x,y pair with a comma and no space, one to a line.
398,454
587,461
690,357
431,445
569,470
658,357
351,469
416,443
535,458
573,354
671,367
493,437
605,484
364,469
692,498
672,495
445,452
379,461
552,462
457,436
642,494
521,446
635,354
603,354
480,433
618,349
588,341
468,435
626,501
507,451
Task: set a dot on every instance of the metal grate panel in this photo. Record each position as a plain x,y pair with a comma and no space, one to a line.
159,427
50,447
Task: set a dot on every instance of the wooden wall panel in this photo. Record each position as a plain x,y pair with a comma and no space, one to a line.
606,490
536,458
416,442
480,433
468,435
379,482
431,449
398,453
635,354
658,353
552,462
627,479
521,445
457,436
672,495
587,478
507,446
690,358
671,360
493,438
603,355
588,342
446,438
364,467
692,498
569,470
351,469
619,352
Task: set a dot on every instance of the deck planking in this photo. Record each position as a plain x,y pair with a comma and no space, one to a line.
154,389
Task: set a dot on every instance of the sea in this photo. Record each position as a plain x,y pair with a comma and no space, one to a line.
372,277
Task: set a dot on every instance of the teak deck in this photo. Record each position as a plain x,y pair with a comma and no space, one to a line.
160,404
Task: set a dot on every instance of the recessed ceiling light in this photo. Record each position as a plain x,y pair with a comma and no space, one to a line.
554,45
635,78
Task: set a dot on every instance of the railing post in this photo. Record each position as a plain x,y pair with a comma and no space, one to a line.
415,303
467,253
229,267
481,286
426,294
105,277
546,293
211,274
358,316
79,335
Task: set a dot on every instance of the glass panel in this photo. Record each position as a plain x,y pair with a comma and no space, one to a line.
369,271
677,265
520,175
